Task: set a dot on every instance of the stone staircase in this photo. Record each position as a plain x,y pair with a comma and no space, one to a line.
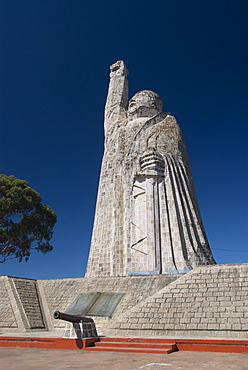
138,345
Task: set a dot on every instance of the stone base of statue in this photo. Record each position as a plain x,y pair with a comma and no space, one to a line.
209,301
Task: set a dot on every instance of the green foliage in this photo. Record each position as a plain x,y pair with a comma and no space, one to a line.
25,223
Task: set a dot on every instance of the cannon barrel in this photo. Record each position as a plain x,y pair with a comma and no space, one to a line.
71,318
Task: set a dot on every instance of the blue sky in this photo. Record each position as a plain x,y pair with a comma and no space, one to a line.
54,72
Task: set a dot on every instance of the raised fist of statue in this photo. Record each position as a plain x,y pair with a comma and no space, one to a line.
119,68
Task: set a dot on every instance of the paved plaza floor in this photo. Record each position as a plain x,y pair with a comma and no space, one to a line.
44,359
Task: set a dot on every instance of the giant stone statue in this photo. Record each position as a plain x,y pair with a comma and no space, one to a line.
147,219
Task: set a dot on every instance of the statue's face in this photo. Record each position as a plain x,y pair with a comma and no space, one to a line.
141,100
144,104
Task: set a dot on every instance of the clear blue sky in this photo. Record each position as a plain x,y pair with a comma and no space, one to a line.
54,68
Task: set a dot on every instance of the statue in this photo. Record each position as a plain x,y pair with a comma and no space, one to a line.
147,219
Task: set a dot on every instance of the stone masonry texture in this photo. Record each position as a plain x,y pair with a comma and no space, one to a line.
20,305
147,236
7,316
60,293
208,301
29,300
147,218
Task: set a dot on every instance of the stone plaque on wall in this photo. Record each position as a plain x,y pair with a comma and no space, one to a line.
95,304
105,304
83,303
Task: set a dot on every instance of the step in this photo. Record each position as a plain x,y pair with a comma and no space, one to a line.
123,344
133,344
137,340
138,345
134,350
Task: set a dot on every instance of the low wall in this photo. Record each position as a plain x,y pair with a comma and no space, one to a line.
20,305
208,301
8,319
60,293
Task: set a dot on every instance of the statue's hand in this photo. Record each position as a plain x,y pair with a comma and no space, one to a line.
119,69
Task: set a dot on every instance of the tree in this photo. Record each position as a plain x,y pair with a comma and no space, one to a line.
25,223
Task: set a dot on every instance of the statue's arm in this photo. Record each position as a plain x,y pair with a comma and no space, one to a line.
117,99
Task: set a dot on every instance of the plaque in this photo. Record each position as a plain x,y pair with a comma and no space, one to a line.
82,304
105,304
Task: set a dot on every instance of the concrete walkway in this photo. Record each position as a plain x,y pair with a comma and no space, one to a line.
40,359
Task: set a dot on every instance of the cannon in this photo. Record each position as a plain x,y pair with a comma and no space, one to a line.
82,327
71,318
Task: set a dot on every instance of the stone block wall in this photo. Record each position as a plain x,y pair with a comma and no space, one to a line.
28,297
60,293
208,301
7,315
20,305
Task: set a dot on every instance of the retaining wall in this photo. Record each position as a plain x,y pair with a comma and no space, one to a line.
20,305
208,301
60,293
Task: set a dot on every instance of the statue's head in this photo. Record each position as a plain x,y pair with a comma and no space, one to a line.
144,103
